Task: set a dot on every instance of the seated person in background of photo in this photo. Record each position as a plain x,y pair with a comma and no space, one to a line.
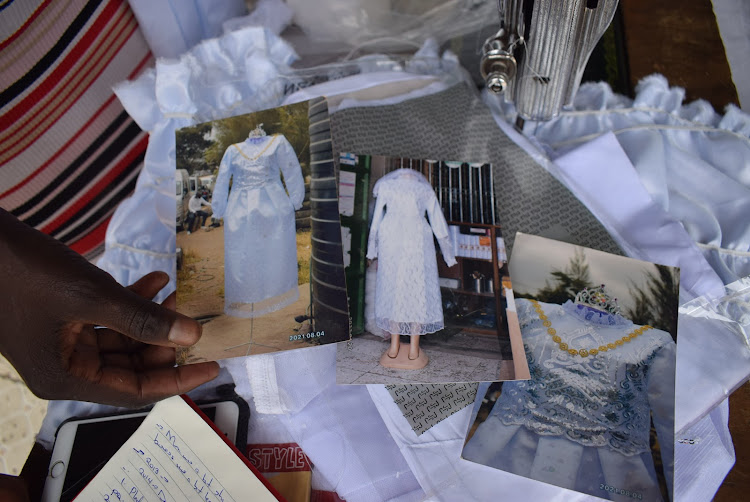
195,208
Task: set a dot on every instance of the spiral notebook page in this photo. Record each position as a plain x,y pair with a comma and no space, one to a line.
175,456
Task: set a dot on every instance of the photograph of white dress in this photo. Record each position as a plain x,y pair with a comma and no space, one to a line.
260,250
407,296
583,420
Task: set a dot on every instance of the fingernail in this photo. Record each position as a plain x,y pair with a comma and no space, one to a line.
184,331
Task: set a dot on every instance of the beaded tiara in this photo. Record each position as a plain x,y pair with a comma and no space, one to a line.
598,298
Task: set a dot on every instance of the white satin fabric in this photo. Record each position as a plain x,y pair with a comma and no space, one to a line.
172,28
235,74
260,243
693,162
733,18
219,78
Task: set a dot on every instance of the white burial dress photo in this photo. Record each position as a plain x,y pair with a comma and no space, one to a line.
260,247
407,291
583,423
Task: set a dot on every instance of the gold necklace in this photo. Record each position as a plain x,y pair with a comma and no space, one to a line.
261,152
584,352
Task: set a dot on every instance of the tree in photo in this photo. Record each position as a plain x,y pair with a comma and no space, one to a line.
657,302
191,145
566,283
291,121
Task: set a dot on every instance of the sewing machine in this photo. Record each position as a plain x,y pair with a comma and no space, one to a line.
538,55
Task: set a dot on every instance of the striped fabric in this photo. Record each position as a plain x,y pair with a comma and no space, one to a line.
69,153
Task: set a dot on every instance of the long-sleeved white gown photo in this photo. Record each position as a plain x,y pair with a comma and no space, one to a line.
260,247
407,295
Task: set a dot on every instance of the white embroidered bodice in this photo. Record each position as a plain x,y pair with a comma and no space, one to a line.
602,400
259,163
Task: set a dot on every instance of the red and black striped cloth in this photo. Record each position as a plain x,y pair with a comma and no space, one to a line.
69,153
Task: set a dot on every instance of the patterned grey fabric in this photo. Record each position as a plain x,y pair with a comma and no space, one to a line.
455,125
424,405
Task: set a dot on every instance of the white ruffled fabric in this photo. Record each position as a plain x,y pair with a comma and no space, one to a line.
221,77
355,443
693,162
644,221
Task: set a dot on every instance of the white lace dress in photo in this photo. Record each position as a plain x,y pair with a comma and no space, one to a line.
583,423
407,291
260,246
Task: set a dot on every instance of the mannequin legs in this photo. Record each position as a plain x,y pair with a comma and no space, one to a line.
411,359
396,344
414,347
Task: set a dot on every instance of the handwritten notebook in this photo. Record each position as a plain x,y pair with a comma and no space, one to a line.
175,456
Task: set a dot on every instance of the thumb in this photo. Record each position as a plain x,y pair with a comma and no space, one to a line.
141,319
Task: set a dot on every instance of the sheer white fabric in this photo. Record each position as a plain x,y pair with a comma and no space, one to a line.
260,245
407,296
584,422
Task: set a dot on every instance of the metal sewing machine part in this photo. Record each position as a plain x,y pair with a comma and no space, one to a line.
538,56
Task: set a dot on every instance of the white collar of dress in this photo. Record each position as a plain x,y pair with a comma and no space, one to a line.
255,140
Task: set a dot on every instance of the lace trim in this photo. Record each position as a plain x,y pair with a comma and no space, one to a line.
590,438
252,159
248,310
408,328
576,399
550,406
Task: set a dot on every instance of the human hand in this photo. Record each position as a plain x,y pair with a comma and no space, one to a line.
13,489
50,330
